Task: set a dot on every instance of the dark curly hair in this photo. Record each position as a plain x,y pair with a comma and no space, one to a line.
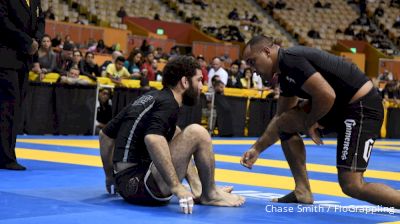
178,67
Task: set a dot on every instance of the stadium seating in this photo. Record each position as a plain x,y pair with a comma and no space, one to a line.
216,14
299,16
387,20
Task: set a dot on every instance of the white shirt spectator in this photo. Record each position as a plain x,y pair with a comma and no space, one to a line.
257,80
222,73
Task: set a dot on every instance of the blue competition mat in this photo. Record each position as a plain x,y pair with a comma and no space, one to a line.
64,183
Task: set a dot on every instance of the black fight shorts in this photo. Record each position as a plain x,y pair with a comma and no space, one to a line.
137,186
358,129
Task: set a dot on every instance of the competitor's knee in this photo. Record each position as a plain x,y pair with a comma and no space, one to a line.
198,133
350,183
283,136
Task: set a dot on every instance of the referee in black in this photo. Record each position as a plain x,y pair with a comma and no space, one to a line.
22,26
340,98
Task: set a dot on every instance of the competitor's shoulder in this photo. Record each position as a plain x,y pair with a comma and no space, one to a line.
300,51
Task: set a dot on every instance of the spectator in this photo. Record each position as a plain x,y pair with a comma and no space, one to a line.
219,87
242,67
114,56
363,6
313,34
234,76
318,4
56,41
104,110
76,59
121,13
101,47
257,81
64,59
156,17
386,75
68,42
117,71
397,23
392,91
81,20
247,80
148,61
49,14
362,20
203,65
72,77
174,51
47,58
145,47
280,4
233,15
217,70
394,3
134,63
88,67
159,54
254,19
246,16
224,116
158,73
379,11
201,3
349,31
362,35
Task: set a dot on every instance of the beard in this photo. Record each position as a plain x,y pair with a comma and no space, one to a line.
190,96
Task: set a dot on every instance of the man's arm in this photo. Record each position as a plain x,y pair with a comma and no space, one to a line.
7,27
106,153
322,95
40,23
286,120
271,133
40,29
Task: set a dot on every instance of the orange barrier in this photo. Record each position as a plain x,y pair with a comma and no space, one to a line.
183,33
372,55
356,58
82,33
99,59
211,50
136,42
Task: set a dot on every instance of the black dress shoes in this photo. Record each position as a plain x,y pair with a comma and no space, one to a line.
12,166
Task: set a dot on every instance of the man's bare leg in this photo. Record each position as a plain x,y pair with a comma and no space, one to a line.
195,140
295,154
353,185
192,176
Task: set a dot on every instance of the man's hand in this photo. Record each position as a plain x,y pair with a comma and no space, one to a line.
34,47
249,158
186,201
36,68
110,185
314,134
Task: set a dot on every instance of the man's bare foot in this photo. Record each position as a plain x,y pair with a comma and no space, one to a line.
227,189
222,198
295,197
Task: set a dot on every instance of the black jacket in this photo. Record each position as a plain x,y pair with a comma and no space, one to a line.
19,24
